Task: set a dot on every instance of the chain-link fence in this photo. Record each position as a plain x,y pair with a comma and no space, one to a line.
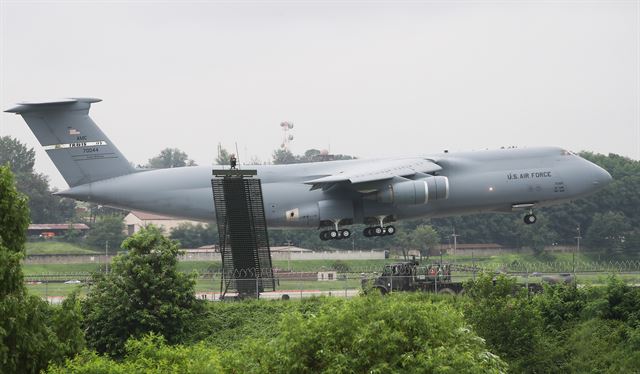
211,284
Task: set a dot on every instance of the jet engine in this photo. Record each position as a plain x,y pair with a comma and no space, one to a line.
412,192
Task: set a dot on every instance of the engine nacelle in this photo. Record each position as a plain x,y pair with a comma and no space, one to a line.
412,192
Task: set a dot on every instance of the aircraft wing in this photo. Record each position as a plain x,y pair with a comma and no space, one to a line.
376,170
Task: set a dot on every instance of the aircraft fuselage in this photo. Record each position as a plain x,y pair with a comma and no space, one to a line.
479,181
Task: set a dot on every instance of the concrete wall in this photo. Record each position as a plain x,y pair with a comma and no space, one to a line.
66,259
299,256
211,256
330,255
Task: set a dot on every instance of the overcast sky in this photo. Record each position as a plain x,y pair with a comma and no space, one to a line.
362,78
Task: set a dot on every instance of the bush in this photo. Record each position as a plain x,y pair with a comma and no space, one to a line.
150,354
194,236
144,292
603,346
340,266
106,229
399,333
503,314
32,333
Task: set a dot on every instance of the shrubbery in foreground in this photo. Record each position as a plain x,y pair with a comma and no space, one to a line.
565,329
143,293
32,333
400,333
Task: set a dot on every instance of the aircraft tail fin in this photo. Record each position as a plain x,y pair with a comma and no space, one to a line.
78,148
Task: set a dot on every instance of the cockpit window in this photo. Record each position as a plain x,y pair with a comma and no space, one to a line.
567,153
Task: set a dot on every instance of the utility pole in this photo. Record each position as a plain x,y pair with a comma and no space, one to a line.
455,241
106,257
576,250
289,255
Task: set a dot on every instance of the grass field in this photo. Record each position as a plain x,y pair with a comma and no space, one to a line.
57,248
31,269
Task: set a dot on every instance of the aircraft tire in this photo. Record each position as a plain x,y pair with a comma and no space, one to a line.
391,230
324,235
345,233
530,219
333,234
367,232
378,231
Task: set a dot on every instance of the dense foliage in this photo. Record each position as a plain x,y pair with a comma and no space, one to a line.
194,236
402,333
563,329
284,156
170,158
31,332
144,292
43,206
109,229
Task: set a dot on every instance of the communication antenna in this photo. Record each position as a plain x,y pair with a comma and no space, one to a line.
287,138
237,154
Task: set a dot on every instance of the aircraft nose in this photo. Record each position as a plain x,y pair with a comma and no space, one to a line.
601,177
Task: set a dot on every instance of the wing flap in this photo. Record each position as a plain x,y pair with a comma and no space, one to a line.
377,171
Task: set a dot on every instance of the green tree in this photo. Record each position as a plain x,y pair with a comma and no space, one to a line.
67,325
503,314
150,354
607,231
401,333
536,237
29,337
283,156
424,238
43,205
311,155
144,292
632,242
194,236
223,156
20,158
106,228
170,158
14,220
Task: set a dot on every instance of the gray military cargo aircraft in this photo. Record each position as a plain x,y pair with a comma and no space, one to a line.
323,195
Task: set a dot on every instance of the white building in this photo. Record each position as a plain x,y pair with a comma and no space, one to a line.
136,220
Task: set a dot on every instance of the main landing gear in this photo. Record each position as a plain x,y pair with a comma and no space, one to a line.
379,231
335,234
530,218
